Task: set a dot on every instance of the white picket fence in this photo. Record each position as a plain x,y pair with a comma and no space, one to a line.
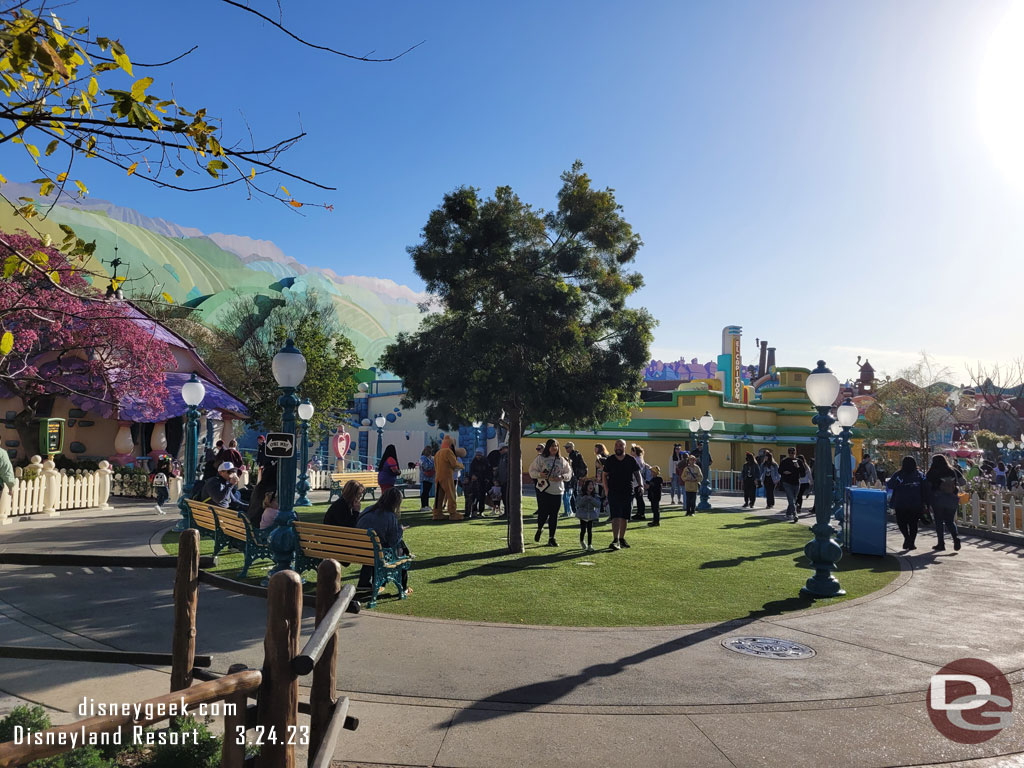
41,488
1002,513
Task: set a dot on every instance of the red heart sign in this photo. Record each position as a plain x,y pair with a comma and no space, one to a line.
341,442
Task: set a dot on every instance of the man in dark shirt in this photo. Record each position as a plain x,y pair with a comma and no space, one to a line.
621,471
222,488
789,472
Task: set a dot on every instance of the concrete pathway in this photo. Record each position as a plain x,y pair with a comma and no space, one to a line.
442,693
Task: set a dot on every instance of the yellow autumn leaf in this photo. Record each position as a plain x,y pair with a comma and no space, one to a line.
295,203
6,343
132,167
252,174
167,297
285,190
62,176
3,179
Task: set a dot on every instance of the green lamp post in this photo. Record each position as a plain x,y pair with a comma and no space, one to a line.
192,392
289,369
302,487
707,423
822,550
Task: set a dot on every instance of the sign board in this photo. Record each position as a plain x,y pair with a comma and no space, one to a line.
280,445
51,436
737,371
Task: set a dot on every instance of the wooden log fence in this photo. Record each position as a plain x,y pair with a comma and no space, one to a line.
276,687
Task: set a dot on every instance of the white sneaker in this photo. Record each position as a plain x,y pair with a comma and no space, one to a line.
160,509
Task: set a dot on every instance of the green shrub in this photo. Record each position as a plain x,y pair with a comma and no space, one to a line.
36,719
204,753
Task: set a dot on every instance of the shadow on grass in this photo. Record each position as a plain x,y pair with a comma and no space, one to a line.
435,562
754,523
529,563
734,561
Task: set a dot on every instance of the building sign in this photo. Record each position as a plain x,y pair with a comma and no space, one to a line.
280,445
51,436
737,371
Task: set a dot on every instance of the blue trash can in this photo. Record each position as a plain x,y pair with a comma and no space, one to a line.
866,526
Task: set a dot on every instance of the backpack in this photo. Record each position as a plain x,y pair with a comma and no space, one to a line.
947,485
861,475
906,494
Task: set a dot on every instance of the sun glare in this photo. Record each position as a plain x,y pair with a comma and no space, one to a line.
1001,94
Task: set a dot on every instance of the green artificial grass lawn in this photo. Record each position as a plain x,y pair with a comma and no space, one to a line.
711,567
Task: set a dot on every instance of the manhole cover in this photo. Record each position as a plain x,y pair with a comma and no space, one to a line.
768,647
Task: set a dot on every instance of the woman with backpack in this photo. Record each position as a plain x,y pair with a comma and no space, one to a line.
941,486
770,477
751,474
909,499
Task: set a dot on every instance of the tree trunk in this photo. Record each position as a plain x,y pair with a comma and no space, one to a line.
515,481
28,431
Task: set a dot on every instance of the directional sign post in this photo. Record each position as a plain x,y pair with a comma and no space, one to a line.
280,445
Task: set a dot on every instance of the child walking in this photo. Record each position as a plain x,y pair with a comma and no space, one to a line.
588,509
160,484
654,496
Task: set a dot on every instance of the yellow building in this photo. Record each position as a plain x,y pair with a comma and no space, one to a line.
781,418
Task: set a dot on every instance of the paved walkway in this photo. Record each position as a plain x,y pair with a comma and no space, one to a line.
441,693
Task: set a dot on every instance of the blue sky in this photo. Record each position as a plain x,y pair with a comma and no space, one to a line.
815,171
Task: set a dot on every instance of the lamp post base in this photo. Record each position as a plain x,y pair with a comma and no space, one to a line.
816,587
302,501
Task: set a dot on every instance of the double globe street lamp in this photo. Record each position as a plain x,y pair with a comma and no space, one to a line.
192,392
305,414
701,429
289,368
846,416
822,550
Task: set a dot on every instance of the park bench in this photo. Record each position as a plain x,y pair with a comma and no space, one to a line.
350,545
230,529
339,479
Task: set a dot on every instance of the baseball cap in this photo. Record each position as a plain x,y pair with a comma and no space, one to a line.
227,466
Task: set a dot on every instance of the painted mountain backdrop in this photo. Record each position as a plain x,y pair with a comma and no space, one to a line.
207,270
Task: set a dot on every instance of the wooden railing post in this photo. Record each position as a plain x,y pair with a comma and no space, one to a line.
186,600
325,672
278,712
232,752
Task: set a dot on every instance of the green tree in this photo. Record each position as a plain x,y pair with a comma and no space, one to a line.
532,322
258,328
915,409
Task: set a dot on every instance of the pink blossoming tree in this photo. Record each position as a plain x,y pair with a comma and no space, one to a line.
60,337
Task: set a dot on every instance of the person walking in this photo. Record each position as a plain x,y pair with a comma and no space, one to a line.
426,477
639,488
588,510
692,478
909,499
676,485
805,482
941,489
769,478
621,474
750,474
479,482
388,470
789,471
550,472
579,471
866,472
501,476
600,457
654,496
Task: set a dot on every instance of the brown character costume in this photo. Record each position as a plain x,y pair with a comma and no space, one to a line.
445,464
